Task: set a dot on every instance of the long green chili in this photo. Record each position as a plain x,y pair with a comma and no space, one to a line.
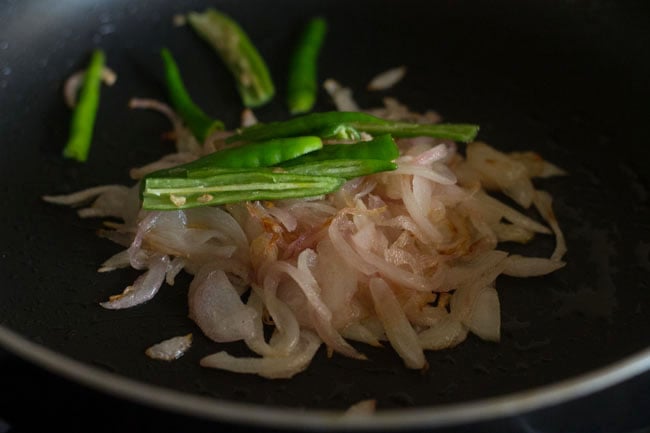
196,120
250,155
332,124
238,53
275,169
302,86
85,112
177,193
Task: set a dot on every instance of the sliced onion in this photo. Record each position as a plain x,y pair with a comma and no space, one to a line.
170,349
519,266
399,331
75,81
345,250
175,267
448,333
337,288
436,173
544,204
117,261
217,309
341,96
144,288
510,214
269,367
167,161
485,319
536,165
419,211
357,331
510,175
83,196
185,141
321,315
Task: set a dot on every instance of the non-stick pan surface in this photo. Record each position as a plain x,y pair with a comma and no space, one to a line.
566,79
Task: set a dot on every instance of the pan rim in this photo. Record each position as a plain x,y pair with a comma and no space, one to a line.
513,404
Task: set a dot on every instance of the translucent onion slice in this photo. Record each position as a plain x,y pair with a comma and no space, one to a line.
511,176
485,318
270,367
399,331
519,266
75,81
215,306
170,349
447,333
145,286
544,204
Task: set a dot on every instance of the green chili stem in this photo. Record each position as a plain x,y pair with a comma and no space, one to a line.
85,113
196,120
302,85
174,193
238,53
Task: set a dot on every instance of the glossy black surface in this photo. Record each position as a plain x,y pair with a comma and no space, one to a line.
619,409
566,79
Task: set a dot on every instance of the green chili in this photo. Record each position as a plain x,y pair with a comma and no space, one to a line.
450,131
196,120
382,147
302,85
270,170
338,124
344,168
178,193
85,113
238,53
302,125
250,155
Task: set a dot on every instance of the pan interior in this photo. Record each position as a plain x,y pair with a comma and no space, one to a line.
564,79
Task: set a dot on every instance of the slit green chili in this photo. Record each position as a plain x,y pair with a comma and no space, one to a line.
302,86
271,170
451,131
238,53
196,120
343,168
333,123
175,193
382,147
85,112
250,155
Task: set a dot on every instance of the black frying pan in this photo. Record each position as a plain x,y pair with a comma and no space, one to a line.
566,79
